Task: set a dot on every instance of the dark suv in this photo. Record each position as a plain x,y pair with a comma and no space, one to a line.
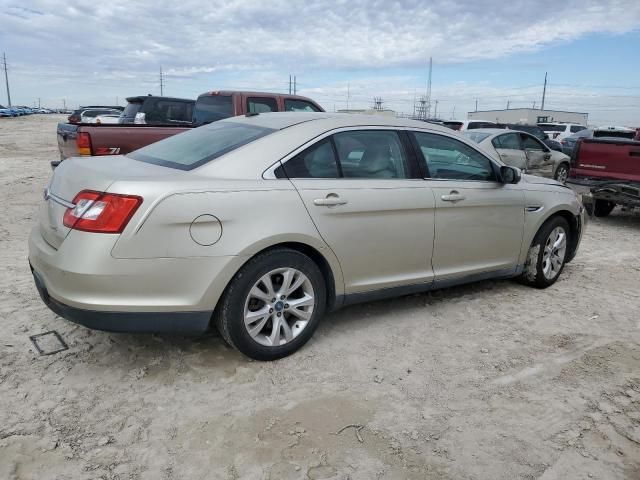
150,110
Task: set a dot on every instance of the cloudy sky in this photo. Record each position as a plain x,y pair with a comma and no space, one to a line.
341,51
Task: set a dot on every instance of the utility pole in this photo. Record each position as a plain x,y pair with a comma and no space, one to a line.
508,102
289,84
453,113
428,106
64,103
295,86
348,94
544,90
38,102
435,112
476,104
534,104
6,78
161,82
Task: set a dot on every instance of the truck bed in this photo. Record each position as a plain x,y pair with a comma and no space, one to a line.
110,139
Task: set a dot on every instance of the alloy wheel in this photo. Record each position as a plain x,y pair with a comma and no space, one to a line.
279,307
555,249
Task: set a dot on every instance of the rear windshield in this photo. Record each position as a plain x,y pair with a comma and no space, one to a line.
211,108
129,113
551,127
614,134
473,125
475,136
196,147
453,125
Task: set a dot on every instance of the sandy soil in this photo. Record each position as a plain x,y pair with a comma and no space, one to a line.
489,381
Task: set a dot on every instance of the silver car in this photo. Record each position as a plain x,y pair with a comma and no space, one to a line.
523,150
259,225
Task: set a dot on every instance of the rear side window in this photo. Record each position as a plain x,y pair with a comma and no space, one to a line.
371,154
261,105
196,147
508,141
160,111
211,108
451,159
530,143
317,161
294,105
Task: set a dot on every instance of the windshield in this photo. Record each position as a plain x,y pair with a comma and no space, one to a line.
211,108
128,115
196,147
475,136
552,127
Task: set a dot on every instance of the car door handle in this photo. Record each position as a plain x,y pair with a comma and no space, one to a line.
452,197
329,201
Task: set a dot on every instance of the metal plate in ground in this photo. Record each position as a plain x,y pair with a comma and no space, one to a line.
48,343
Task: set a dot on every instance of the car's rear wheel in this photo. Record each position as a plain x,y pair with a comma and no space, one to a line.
273,305
547,254
602,208
562,173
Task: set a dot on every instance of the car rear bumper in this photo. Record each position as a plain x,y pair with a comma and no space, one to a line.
83,283
132,322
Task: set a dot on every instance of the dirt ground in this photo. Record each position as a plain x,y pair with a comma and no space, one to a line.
488,381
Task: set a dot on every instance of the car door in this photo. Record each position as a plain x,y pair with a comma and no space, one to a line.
538,156
479,220
509,149
369,203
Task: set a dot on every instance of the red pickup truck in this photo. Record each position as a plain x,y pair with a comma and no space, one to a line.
117,139
610,167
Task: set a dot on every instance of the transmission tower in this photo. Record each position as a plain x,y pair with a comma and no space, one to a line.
428,98
377,103
161,82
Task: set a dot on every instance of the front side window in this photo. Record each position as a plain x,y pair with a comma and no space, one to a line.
448,158
317,161
295,105
508,141
261,105
371,154
196,147
577,128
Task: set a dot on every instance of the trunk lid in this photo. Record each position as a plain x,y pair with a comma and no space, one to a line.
86,173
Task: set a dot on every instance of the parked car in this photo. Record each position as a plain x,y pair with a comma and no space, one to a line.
74,140
90,115
7,112
108,118
76,115
558,131
569,143
524,151
610,167
461,125
150,110
537,132
260,224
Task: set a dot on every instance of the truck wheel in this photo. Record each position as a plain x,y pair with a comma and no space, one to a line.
602,208
562,173
547,254
273,305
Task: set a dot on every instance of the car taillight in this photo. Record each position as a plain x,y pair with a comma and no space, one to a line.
83,142
101,212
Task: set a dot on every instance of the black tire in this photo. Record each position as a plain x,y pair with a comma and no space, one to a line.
562,173
602,208
229,315
533,273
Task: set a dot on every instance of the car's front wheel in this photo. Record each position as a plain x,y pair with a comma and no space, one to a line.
547,254
273,305
562,173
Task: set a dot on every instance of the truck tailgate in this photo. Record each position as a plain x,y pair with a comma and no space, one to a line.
122,139
608,159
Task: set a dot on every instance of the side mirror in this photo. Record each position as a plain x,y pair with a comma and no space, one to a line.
510,174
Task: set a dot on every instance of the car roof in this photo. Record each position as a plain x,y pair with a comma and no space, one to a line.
142,98
328,121
490,131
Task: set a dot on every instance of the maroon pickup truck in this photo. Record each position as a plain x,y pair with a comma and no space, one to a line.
610,167
117,139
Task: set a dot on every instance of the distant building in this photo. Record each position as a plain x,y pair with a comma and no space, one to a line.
529,116
369,111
